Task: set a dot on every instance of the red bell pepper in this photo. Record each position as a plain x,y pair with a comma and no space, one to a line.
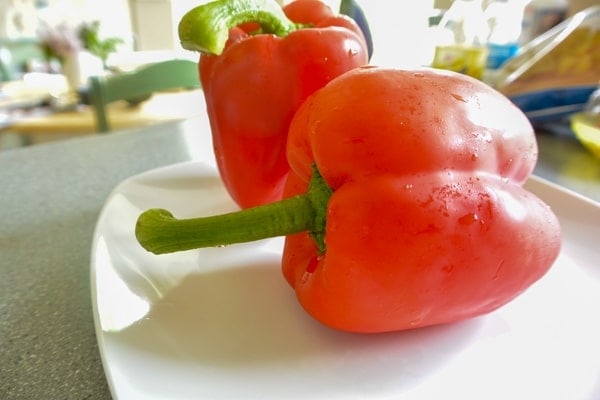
415,207
254,83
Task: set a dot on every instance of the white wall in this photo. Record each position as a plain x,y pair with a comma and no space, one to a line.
152,24
400,31
17,18
155,22
114,16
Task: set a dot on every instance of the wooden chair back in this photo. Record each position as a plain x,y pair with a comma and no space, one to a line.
138,85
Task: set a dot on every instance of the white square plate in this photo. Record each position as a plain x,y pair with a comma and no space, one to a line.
221,323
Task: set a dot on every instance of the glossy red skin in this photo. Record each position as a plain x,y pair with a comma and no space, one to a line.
428,222
255,86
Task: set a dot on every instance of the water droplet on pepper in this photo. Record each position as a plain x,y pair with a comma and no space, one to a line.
468,219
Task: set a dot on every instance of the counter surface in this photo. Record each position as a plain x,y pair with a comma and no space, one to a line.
52,195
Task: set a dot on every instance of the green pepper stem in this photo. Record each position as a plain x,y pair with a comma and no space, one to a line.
159,232
205,28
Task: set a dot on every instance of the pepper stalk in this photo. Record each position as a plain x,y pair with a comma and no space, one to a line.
159,232
205,28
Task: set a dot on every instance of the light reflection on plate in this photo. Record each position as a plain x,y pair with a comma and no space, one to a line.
221,323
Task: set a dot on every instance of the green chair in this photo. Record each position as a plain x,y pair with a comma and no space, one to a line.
16,55
139,85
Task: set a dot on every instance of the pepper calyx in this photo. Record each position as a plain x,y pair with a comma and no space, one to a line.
205,28
318,194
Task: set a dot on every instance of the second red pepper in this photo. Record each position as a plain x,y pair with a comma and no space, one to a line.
254,87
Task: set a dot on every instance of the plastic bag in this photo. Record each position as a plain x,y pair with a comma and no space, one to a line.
554,75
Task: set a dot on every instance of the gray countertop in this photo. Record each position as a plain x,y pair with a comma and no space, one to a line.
52,195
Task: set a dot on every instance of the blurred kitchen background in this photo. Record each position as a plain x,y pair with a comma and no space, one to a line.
475,37
400,27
